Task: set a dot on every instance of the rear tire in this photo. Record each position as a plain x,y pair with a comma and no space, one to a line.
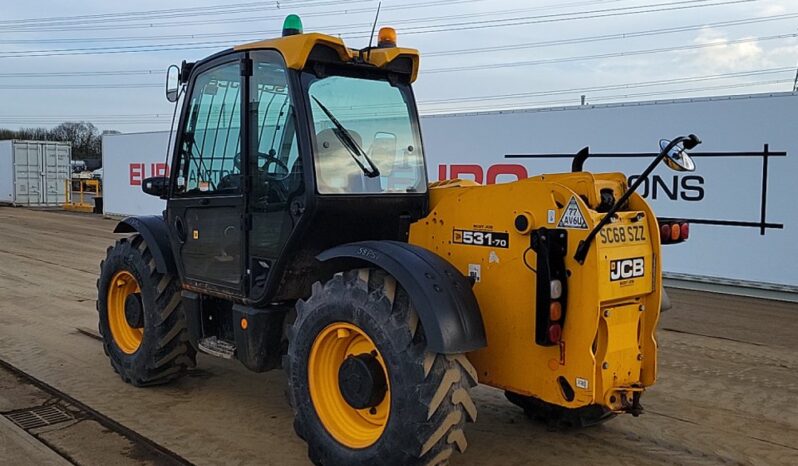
157,349
429,400
559,417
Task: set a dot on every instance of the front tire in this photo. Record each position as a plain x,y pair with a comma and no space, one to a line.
141,316
416,416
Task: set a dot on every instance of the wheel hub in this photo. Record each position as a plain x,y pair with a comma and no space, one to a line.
124,309
342,375
361,380
134,310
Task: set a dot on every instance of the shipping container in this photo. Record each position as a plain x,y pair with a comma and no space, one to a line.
740,200
34,173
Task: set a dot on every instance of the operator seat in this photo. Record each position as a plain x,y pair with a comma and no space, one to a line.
336,170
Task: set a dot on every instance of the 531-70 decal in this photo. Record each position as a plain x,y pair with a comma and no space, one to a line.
481,238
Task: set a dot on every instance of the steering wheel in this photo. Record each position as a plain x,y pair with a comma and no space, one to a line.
270,158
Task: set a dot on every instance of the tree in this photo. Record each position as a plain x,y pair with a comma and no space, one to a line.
85,138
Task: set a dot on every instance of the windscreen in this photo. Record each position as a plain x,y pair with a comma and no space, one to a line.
366,136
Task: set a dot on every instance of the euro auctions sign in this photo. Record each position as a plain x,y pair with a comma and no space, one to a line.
139,171
127,160
740,201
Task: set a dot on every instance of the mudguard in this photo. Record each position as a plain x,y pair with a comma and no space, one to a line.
441,295
156,234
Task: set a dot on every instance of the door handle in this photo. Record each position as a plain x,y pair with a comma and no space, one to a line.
204,201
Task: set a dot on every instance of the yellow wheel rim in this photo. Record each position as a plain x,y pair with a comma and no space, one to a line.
127,338
355,428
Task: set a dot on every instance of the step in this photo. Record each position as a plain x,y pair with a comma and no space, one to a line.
216,347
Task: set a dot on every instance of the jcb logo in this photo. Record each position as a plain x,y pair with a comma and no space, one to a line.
623,269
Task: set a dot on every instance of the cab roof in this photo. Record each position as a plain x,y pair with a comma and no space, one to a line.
298,49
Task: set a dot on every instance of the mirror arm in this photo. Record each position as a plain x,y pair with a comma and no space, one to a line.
577,165
584,245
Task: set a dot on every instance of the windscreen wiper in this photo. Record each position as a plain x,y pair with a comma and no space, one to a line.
351,145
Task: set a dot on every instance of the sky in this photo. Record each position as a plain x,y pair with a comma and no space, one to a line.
105,62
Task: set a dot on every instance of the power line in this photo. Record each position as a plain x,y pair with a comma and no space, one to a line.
237,34
250,18
659,82
547,61
543,93
608,98
615,36
611,98
166,14
32,74
55,86
515,21
455,69
403,6
475,67
475,50
470,51
215,44
608,13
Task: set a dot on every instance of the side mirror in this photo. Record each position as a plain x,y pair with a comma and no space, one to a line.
677,157
172,83
156,186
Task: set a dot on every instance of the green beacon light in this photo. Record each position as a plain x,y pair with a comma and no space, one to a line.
292,25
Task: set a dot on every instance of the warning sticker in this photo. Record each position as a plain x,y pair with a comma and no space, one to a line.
581,383
572,217
475,272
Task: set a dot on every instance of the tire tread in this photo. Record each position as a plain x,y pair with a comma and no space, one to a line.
171,354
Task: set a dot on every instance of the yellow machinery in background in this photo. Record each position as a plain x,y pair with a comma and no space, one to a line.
82,195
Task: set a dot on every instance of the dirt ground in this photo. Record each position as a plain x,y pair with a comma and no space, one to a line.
727,390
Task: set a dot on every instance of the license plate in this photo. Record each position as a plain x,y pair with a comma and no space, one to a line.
623,234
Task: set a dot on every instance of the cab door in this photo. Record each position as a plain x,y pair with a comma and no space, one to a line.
206,208
278,187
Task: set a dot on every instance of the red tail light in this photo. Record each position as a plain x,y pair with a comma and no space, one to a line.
676,232
665,232
555,333
673,231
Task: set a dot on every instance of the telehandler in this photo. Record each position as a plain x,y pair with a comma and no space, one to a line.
300,232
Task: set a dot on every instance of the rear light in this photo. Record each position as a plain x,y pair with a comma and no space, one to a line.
551,303
555,333
555,311
556,289
673,231
676,232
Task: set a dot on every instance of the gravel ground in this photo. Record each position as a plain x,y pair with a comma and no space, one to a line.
727,389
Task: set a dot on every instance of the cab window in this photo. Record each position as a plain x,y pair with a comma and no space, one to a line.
366,137
273,142
210,160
